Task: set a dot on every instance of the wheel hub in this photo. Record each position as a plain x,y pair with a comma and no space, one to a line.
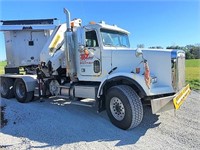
20,90
117,108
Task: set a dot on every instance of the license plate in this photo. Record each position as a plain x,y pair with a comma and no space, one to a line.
181,96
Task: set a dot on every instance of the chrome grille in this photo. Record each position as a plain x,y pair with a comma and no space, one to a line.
180,73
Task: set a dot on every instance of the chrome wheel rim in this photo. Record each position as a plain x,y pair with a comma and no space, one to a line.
117,108
20,90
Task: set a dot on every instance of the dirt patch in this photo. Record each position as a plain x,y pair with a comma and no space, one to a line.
3,120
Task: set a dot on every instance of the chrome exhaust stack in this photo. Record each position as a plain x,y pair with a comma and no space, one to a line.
69,50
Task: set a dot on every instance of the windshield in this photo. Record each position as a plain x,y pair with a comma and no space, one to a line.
114,38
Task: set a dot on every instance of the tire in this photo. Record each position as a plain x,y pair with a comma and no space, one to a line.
7,88
124,107
21,93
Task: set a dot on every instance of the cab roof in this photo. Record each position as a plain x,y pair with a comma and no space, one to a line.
106,26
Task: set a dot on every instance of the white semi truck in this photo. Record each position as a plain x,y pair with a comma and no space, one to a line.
93,65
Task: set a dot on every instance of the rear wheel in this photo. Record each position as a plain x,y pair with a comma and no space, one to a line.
124,107
21,93
7,88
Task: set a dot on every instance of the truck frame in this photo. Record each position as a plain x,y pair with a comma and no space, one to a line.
95,61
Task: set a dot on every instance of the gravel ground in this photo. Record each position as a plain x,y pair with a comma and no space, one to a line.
52,124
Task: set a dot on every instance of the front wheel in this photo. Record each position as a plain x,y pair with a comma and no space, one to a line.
21,93
124,107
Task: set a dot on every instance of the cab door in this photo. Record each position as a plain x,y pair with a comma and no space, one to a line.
90,56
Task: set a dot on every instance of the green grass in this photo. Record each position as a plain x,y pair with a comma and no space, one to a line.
192,72
192,63
2,64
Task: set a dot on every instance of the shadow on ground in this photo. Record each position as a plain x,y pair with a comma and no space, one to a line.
55,123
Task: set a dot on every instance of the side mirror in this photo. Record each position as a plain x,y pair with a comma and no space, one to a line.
138,52
81,37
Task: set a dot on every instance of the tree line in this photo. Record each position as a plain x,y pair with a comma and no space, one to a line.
191,51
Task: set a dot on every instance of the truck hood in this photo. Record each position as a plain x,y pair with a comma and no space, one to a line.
124,60
159,62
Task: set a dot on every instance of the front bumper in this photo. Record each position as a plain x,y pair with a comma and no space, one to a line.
171,102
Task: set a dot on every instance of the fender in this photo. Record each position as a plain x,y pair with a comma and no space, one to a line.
29,80
136,79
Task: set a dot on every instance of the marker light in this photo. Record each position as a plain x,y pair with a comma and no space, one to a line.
92,22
